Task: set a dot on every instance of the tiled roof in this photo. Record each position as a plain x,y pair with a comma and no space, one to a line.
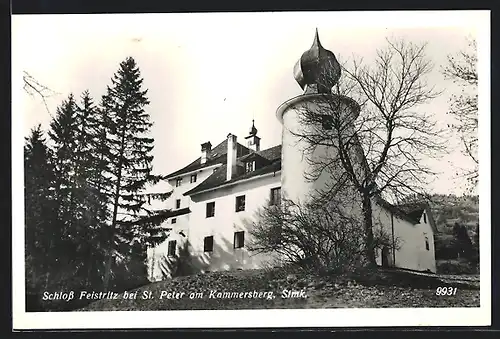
218,155
273,153
394,209
415,210
411,212
218,178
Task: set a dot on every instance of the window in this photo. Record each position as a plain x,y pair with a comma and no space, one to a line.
178,203
275,196
239,239
171,248
427,243
210,209
178,182
326,121
240,203
174,220
208,244
193,178
249,166
425,218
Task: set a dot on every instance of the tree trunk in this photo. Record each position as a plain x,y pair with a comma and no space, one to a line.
368,223
107,270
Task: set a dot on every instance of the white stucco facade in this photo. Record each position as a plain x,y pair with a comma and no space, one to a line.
191,229
208,208
413,243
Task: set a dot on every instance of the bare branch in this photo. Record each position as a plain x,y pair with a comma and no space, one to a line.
34,88
462,70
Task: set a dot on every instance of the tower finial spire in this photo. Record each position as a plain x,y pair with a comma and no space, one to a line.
317,70
253,130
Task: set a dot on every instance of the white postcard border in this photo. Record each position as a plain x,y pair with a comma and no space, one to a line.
283,317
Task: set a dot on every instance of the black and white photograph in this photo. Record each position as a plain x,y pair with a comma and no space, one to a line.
268,169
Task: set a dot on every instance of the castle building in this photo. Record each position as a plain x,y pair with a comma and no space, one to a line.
216,196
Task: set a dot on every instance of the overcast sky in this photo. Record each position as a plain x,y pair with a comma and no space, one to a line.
211,74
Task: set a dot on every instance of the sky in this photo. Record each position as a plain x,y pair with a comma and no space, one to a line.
210,74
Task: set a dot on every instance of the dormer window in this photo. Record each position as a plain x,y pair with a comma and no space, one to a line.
249,166
178,182
193,177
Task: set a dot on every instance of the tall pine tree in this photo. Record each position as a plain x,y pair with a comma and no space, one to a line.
41,227
72,135
134,226
90,190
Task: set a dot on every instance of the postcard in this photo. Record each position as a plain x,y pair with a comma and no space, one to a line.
285,169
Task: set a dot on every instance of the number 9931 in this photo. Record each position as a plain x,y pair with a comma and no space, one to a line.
446,291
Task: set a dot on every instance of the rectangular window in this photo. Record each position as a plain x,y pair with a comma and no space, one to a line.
208,244
178,203
210,209
193,178
249,166
239,239
327,121
174,220
240,203
427,243
425,218
178,182
172,244
275,198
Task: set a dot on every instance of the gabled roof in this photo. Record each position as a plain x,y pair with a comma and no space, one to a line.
394,209
253,156
411,212
218,178
415,210
218,155
273,153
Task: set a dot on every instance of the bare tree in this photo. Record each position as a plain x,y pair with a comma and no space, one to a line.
462,70
316,236
377,148
36,89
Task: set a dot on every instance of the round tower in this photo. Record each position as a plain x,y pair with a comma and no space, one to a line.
317,72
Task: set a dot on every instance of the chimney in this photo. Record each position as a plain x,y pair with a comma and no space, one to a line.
205,149
231,156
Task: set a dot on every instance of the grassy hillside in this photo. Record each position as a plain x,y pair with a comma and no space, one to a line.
376,288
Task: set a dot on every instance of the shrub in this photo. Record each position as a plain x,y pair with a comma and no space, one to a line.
317,237
455,267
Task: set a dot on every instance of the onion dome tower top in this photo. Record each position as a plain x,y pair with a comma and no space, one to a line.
253,130
317,70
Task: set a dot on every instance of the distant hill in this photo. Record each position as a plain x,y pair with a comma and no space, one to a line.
448,209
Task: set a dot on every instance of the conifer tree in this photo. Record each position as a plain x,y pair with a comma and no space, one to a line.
69,132
134,225
40,211
463,241
90,188
62,133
